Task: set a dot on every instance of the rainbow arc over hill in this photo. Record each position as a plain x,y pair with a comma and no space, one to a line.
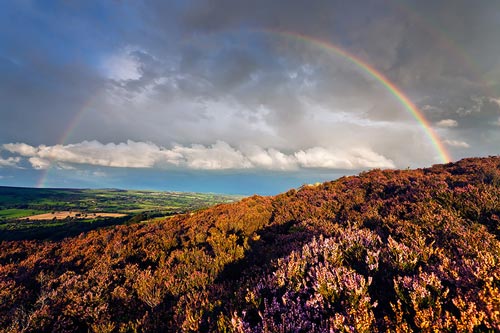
328,47
382,79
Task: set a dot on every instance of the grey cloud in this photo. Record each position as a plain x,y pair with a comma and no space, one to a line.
208,73
479,112
40,98
437,48
377,27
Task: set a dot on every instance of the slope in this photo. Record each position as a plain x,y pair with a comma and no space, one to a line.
385,250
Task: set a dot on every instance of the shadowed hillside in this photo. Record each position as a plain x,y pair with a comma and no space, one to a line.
385,250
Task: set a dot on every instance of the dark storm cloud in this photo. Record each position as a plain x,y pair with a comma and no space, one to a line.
416,42
45,75
440,52
39,98
308,17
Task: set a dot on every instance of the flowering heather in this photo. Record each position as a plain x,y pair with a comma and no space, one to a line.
398,251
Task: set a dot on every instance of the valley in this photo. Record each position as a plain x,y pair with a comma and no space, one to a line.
31,213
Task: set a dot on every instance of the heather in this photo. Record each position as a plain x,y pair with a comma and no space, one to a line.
388,250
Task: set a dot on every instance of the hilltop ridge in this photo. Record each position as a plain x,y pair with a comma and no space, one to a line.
398,250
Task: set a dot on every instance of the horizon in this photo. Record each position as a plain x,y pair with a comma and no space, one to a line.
267,184
238,98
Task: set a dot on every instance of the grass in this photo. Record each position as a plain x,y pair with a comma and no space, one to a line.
14,213
18,203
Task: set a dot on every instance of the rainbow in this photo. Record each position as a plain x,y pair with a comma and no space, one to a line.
329,47
374,73
65,135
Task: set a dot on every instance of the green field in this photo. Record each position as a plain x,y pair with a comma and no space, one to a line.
15,213
17,203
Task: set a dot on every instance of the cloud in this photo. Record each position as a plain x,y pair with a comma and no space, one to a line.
122,66
357,158
269,158
20,149
447,123
213,70
218,156
9,162
495,100
130,154
457,143
39,163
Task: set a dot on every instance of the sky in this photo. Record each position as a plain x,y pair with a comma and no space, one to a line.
242,97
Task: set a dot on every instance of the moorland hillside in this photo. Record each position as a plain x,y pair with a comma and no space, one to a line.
411,250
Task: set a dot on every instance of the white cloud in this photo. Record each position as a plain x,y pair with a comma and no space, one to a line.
495,100
39,163
9,162
358,158
122,66
269,158
457,143
447,123
218,156
130,154
20,148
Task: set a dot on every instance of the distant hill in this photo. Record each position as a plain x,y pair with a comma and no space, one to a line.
56,213
412,250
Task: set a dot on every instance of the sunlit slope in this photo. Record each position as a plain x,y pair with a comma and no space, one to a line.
398,250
